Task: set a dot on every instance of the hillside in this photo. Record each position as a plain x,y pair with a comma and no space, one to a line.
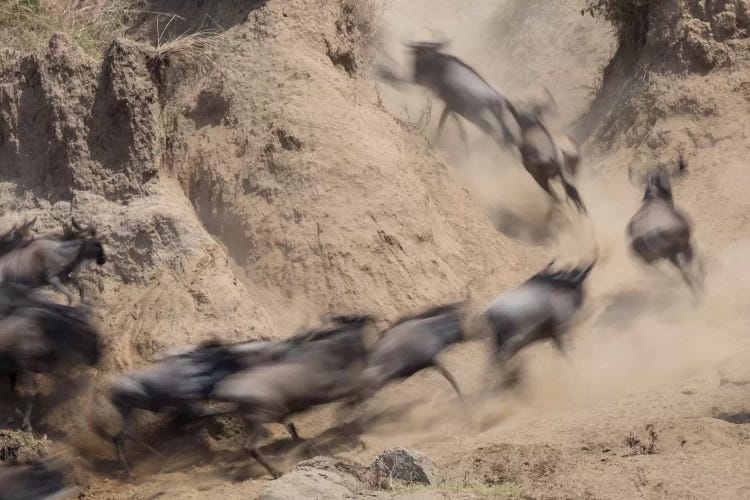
248,187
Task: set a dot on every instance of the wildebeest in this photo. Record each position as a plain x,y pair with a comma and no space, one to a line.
568,146
319,369
541,155
462,89
659,230
51,262
411,345
541,308
39,336
40,480
180,382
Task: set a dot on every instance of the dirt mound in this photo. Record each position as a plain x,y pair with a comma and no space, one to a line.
317,193
88,140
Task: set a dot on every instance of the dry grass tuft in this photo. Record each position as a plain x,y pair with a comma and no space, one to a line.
27,25
193,50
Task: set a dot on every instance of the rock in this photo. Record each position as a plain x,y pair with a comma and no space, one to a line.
402,464
317,478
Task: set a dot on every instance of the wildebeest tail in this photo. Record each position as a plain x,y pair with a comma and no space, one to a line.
572,192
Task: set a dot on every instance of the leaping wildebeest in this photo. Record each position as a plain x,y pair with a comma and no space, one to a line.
412,344
319,369
542,156
464,92
40,336
179,383
44,261
541,308
659,230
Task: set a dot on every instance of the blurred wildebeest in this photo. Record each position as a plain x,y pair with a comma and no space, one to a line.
39,336
462,89
542,157
568,146
45,261
319,369
541,308
180,382
411,345
40,480
659,230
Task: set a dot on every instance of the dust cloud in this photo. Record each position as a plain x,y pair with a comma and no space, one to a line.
641,328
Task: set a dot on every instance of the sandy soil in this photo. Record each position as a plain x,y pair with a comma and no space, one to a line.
306,192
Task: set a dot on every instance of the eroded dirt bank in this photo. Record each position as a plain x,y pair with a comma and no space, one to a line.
283,183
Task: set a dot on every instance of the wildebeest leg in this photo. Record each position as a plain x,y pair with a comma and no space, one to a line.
543,182
57,285
292,430
119,439
30,393
448,376
251,447
462,132
77,284
441,122
572,192
682,262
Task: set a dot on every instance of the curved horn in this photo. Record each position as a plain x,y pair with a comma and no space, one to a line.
75,223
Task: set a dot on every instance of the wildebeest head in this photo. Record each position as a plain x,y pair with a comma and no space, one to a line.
658,185
93,249
429,61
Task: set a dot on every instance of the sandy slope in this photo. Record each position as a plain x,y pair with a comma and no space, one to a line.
359,213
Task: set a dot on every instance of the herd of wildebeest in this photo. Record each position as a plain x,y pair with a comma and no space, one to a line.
266,381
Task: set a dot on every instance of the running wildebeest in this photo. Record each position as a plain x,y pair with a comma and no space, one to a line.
541,308
40,480
659,230
411,345
464,92
542,157
319,369
568,146
43,337
50,262
180,382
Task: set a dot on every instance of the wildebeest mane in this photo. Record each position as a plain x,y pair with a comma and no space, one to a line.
563,277
430,313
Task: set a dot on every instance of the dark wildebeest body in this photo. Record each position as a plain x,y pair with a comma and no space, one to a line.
319,369
49,262
36,481
410,346
659,230
39,336
462,89
180,382
541,308
543,158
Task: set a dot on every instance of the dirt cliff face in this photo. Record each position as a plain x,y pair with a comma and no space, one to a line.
318,193
87,139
